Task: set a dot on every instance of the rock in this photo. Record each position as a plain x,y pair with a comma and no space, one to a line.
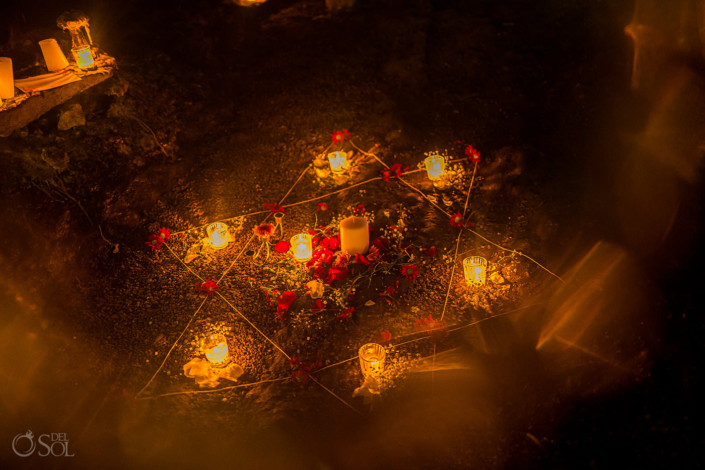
72,116
336,5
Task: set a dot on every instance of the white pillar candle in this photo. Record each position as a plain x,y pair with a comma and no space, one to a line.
53,56
7,80
354,235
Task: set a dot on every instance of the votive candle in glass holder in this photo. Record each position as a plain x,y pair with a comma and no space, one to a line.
338,162
215,346
218,235
7,79
301,246
435,167
475,268
83,56
372,359
53,55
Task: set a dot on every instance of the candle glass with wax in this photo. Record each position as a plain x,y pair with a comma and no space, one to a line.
435,167
7,79
301,246
218,235
338,162
475,268
372,359
53,55
215,346
354,236
83,56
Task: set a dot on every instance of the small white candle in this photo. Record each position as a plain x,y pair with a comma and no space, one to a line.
53,56
354,236
7,80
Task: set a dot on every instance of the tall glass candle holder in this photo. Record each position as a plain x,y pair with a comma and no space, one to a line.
372,359
302,247
338,162
215,346
475,268
435,167
218,235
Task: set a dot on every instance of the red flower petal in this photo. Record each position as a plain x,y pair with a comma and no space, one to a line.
282,247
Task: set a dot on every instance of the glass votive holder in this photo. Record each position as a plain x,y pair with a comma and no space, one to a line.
215,346
338,162
83,56
435,167
218,235
475,268
372,359
302,246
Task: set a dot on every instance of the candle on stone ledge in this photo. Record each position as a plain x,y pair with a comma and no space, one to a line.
7,79
354,236
338,162
83,56
218,235
475,268
215,347
435,167
53,55
301,246
372,359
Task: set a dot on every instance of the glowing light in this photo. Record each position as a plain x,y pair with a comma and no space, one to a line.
7,79
83,56
338,162
372,359
354,236
218,235
435,167
475,268
216,348
53,55
302,247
